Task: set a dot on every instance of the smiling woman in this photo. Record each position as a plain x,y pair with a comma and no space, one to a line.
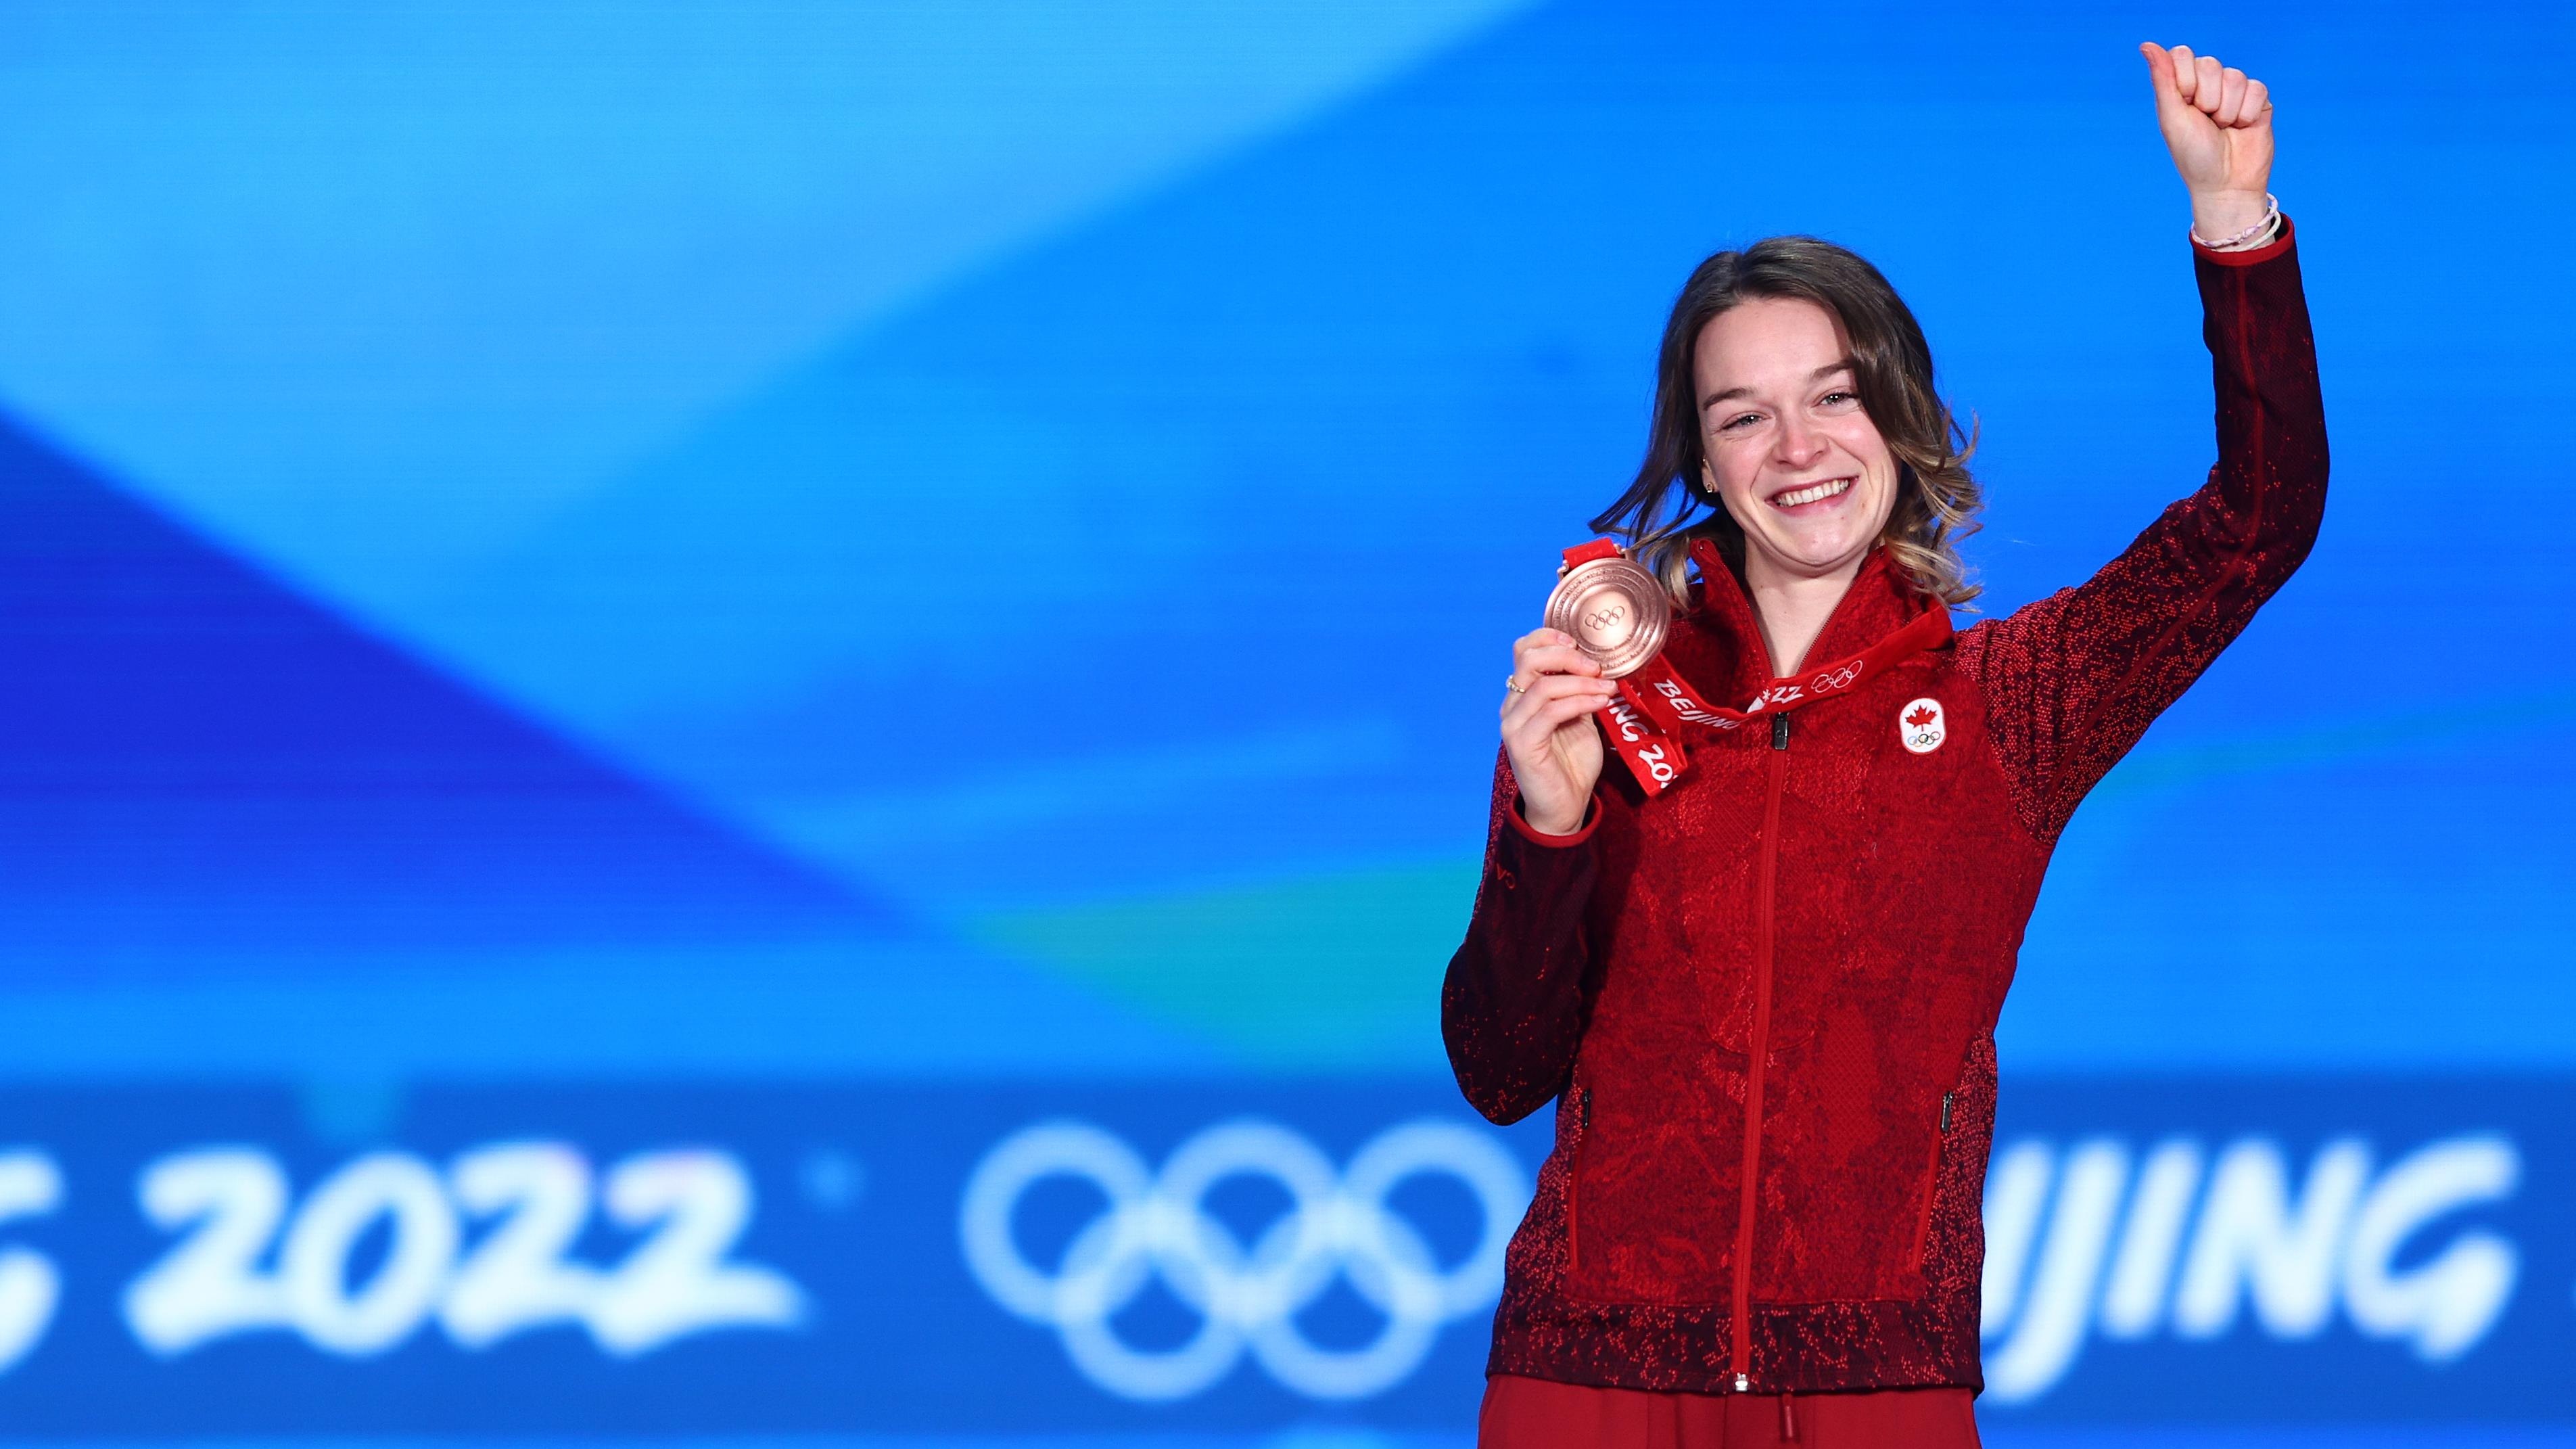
1799,348
1763,995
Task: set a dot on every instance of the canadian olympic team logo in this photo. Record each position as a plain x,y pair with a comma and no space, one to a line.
1922,725
1247,1297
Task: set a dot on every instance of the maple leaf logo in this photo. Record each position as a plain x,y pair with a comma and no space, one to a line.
1923,715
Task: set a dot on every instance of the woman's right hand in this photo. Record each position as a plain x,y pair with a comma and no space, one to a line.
1547,729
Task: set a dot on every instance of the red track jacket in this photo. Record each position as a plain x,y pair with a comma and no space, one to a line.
1765,1001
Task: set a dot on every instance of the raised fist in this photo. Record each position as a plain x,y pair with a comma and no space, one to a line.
2218,123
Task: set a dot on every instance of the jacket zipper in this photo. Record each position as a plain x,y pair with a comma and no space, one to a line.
1574,1182
1740,1351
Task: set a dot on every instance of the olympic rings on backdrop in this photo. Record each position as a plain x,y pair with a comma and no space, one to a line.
1247,1297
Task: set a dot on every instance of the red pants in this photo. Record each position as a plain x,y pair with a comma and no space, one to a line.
1524,1413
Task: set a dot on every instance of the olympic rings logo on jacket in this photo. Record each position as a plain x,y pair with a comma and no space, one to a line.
1247,1296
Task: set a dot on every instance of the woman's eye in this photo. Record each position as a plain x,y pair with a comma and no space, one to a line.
1840,396
1738,421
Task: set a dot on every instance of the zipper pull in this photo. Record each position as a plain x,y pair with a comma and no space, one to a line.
1583,1109
1779,732
1945,1110
1744,1383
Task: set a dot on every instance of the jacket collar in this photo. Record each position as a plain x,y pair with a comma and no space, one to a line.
1880,601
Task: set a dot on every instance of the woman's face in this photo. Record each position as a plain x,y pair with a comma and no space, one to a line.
1793,457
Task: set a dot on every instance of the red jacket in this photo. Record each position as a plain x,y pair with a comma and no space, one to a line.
1765,1001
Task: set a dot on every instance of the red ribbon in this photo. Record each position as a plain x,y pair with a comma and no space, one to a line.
1645,725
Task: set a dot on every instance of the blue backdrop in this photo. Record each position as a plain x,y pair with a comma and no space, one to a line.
693,743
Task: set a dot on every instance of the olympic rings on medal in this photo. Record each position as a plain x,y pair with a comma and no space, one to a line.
1338,1225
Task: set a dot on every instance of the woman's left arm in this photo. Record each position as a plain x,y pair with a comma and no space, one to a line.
2073,680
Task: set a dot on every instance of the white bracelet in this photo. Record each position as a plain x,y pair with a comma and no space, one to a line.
2258,233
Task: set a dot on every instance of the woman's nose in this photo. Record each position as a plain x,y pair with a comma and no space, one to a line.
1799,445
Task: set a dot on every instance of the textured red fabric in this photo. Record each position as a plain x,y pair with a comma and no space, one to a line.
1765,1001
1523,1413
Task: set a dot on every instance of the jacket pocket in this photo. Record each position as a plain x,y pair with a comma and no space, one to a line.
1647,1220
1932,1183
1574,1182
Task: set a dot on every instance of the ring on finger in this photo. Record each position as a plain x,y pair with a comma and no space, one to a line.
1513,683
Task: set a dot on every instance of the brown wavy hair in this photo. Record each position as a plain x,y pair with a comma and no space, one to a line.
1665,511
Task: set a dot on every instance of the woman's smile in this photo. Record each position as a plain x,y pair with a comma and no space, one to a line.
1807,498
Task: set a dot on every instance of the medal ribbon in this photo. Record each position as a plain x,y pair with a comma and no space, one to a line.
1645,725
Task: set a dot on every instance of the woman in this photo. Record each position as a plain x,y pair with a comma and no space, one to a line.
1763,998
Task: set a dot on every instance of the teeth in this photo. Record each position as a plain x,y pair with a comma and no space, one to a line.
1811,494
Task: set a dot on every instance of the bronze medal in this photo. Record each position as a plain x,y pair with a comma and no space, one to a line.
1616,611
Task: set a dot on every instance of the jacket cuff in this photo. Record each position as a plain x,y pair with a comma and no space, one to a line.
2264,253
1535,836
